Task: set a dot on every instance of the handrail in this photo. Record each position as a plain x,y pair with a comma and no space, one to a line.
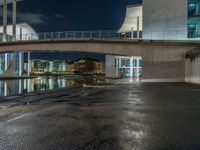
107,34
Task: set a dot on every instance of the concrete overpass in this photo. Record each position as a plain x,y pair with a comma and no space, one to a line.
162,60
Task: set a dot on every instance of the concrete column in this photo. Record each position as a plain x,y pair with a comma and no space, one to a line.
12,63
116,66
5,89
29,85
20,36
138,69
132,33
6,61
20,64
20,87
138,27
131,67
29,63
14,19
5,12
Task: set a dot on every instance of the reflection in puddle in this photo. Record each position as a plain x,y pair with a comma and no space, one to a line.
21,86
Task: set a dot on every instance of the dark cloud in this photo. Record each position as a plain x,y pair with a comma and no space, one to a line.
31,18
59,16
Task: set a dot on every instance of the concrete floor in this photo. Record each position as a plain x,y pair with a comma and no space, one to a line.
143,116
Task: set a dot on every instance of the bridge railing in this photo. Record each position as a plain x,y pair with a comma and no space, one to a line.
75,35
108,34
83,35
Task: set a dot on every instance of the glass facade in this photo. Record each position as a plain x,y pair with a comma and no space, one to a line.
18,63
6,62
193,18
2,63
128,67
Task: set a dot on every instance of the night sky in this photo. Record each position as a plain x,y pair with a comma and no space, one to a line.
66,15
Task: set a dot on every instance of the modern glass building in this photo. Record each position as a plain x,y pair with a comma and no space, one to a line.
193,18
124,67
128,67
16,65
13,63
163,19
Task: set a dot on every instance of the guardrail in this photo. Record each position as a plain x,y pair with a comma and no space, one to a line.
108,34
73,35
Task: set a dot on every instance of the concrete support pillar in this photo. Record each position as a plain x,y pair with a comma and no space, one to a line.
20,64
20,36
132,33
6,61
12,63
5,89
138,69
138,27
131,68
14,16
5,12
29,64
116,67
20,87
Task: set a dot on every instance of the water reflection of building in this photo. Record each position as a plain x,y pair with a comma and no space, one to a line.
15,87
86,66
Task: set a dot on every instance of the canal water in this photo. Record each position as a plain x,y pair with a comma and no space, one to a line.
22,86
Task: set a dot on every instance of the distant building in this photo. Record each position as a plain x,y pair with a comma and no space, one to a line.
44,66
86,66
70,67
125,67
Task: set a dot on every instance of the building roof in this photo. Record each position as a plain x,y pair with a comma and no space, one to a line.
8,2
27,31
130,22
88,59
85,59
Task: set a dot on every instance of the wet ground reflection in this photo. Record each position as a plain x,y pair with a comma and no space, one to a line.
140,116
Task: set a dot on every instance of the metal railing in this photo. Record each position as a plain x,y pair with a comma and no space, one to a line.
107,34
75,35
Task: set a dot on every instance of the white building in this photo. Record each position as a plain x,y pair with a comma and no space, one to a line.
155,20
12,64
23,32
133,18
164,19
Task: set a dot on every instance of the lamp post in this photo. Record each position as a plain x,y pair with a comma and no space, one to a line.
138,27
14,17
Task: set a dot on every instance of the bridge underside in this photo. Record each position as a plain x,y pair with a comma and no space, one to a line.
161,61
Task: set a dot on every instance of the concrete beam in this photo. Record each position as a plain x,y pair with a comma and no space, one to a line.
162,61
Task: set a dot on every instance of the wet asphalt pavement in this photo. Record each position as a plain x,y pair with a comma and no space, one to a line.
142,116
